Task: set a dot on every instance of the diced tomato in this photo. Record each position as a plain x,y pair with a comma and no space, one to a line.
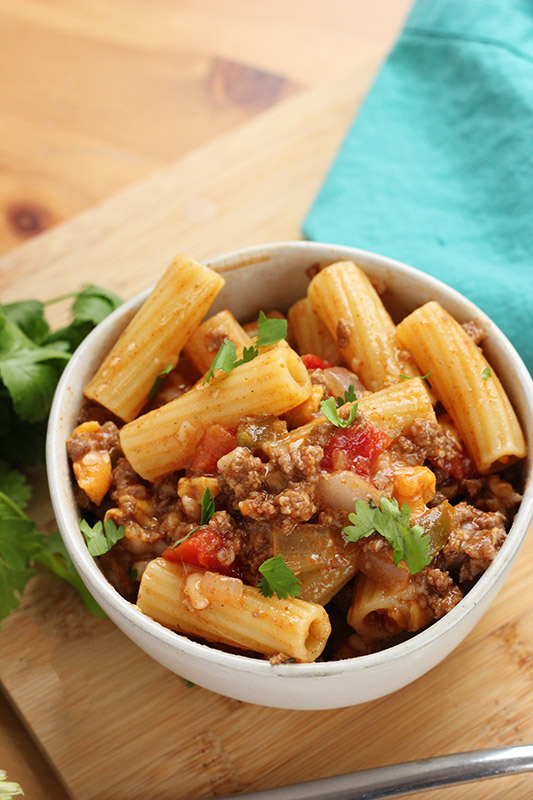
215,443
201,550
314,362
356,449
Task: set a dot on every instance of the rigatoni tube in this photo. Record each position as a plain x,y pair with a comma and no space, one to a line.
164,440
201,604
466,385
155,337
363,331
310,333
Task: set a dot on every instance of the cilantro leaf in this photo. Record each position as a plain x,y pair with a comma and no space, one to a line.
225,359
53,555
486,373
270,330
278,579
29,316
14,485
100,537
349,396
208,509
248,354
329,409
159,381
94,303
19,541
409,544
29,371
403,377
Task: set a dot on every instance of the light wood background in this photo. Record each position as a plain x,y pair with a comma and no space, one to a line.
98,95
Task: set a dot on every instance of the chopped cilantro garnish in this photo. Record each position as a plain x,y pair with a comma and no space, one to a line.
329,409
278,579
410,544
420,377
100,537
159,381
349,396
208,507
188,684
225,359
269,331
486,373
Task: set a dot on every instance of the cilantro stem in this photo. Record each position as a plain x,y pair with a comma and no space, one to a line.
5,498
60,298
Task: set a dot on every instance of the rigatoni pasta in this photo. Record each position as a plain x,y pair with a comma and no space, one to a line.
164,440
278,498
362,329
154,338
465,384
239,615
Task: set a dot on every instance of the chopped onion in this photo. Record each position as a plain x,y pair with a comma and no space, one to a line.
339,379
341,489
221,589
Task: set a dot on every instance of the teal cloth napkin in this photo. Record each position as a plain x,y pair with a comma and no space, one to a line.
437,169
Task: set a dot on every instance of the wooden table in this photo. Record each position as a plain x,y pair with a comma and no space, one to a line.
253,100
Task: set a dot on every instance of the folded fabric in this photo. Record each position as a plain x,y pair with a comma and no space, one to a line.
437,169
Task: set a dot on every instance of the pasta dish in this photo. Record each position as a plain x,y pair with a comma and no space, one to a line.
315,485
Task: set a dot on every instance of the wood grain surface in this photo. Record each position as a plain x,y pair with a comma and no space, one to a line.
113,722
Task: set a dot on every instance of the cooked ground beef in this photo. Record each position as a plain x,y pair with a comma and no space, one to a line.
105,438
344,331
476,538
285,485
240,473
419,439
439,589
492,493
116,564
474,330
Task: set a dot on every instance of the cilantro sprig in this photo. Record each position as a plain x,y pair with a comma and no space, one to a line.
329,408
100,537
32,358
269,331
409,544
208,509
277,578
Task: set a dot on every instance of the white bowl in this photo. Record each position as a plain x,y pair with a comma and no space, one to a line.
274,276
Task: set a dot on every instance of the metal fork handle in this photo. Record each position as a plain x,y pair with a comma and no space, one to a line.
410,776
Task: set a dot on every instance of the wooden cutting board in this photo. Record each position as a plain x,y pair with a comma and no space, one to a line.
116,724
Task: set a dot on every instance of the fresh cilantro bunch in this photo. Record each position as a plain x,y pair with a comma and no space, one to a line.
409,544
32,358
